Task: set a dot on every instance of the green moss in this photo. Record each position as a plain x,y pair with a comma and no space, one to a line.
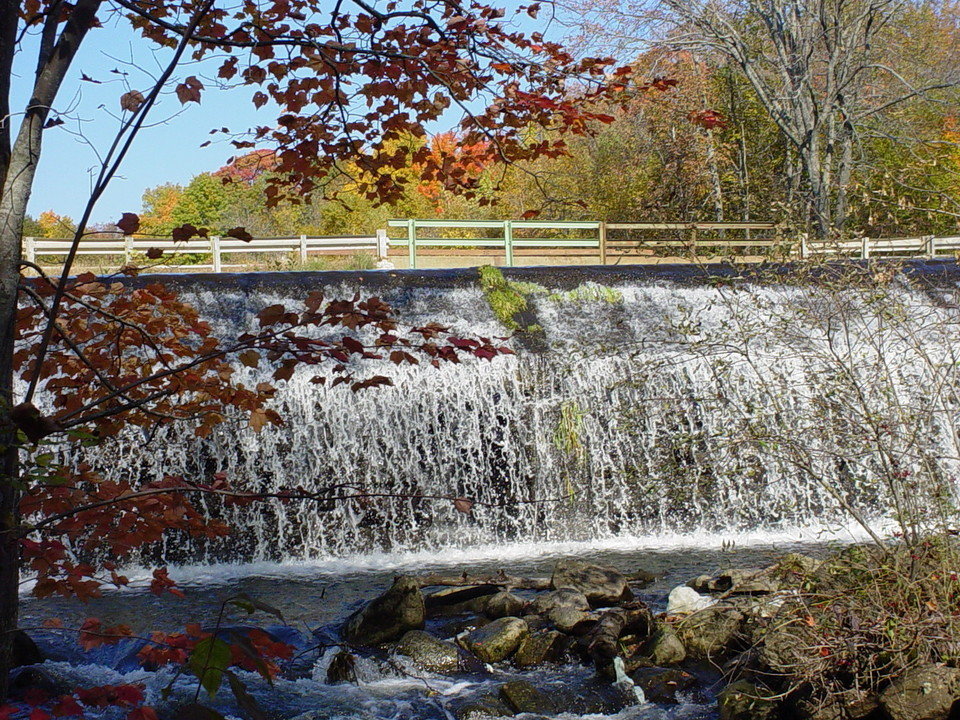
589,292
507,299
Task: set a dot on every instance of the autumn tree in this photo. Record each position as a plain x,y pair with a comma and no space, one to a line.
341,84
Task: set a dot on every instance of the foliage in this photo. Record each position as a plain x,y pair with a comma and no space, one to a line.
507,298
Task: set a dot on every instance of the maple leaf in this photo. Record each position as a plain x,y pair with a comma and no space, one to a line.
154,253
128,223
189,90
131,101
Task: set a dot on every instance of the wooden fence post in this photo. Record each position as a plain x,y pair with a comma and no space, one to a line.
383,244
127,249
804,250
508,241
865,248
215,249
412,244
30,249
303,249
931,246
603,242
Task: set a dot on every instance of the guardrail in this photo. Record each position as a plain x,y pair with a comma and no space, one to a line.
605,241
615,240
216,247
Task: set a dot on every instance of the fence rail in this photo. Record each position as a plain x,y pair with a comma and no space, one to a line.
616,240
216,247
508,240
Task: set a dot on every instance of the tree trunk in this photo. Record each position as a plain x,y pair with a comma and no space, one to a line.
15,190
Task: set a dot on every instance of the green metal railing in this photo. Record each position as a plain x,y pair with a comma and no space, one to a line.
600,239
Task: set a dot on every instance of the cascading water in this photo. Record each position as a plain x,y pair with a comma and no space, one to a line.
653,407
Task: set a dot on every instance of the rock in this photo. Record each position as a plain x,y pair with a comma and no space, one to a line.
522,697
701,583
504,604
429,653
568,620
745,701
385,265
25,650
458,600
388,617
535,622
683,600
665,648
342,669
753,581
483,709
496,641
847,705
711,632
798,564
924,693
660,685
540,647
563,598
641,577
42,678
602,586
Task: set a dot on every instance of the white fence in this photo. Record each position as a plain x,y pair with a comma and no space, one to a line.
34,249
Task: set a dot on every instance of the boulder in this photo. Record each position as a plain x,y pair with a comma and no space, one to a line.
745,701
485,708
847,705
925,693
684,600
568,620
749,581
540,647
522,697
566,598
389,616
660,685
25,650
429,653
342,669
504,604
601,585
711,632
459,600
496,641
664,647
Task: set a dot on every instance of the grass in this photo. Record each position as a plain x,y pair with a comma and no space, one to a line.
507,298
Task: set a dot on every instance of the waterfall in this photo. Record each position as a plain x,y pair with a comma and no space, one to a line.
652,406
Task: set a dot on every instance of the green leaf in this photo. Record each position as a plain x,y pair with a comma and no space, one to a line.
210,657
251,605
245,701
193,711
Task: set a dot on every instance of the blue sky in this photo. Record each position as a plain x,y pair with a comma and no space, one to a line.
169,151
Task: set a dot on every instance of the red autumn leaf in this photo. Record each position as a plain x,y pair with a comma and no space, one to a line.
128,223
240,234
530,214
67,706
131,101
463,505
184,232
154,253
189,90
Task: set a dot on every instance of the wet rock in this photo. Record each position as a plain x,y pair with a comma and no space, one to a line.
25,650
847,705
568,620
641,578
342,669
483,709
604,639
496,641
665,648
42,678
535,622
540,647
458,600
522,697
429,653
745,701
926,693
504,604
683,600
601,585
566,598
751,581
661,685
389,616
711,632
